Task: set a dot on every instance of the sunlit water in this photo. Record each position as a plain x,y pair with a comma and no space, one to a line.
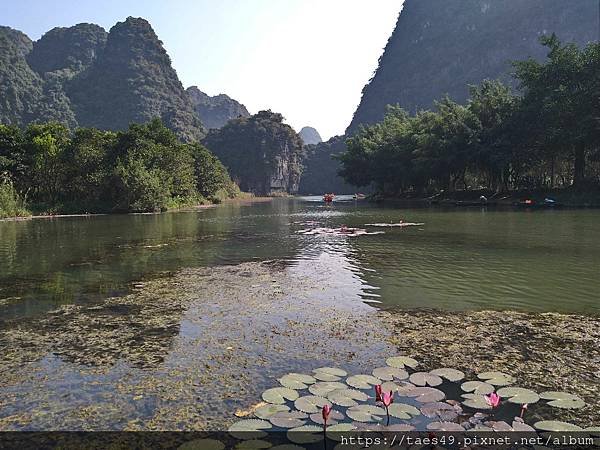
460,259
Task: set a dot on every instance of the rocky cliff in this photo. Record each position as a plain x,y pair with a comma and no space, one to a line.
83,76
215,112
441,46
263,154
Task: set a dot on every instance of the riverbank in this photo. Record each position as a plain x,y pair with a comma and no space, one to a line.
191,350
567,198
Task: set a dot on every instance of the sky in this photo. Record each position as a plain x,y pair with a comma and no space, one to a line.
307,59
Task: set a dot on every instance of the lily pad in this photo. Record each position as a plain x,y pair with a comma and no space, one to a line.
445,426
306,434
296,381
287,447
278,396
401,362
403,411
521,426
249,429
293,419
449,374
366,413
390,373
426,394
499,426
267,411
443,411
331,371
519,396
202,444
563,400
476,401
253,444
477,387
425,379
334,417
322,388
334,431
362,381
496,378
346,397
555,426
311,404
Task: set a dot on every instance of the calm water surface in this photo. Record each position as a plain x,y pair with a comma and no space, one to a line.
461,259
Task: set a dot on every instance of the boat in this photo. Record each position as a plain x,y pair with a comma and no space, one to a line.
359,196
328,198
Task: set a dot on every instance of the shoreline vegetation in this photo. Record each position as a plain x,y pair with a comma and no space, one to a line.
45,169
541,137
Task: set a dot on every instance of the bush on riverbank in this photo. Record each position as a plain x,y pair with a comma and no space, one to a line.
543,137
145,168
11,203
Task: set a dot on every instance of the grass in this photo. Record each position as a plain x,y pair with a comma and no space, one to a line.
11,203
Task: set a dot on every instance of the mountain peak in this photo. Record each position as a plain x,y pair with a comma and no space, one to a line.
310,136
214,112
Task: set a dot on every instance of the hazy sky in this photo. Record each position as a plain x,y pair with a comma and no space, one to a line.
308,59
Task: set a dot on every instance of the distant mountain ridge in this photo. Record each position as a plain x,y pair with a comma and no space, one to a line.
441,46
84,76
215,112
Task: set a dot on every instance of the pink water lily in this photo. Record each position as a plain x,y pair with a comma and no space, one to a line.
387,399
492,399
378,393
325,412
523,409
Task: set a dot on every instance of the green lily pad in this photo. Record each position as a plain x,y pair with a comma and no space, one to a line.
519,396
296,381
346,397
287,447
555,426
331,371
366,413
390,386
249,429
390,373
252,445
334,431
306,434
496,378
426,394
499,426
293,419
362,381
443,411
521,426
278,396
477,387
563,400
445,426
401,362
334,417
311,404
322,388
593,431
403,411
267,411
425,379
202,444
475,401
449,374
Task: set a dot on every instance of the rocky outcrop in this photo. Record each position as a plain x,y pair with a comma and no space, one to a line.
215,112
263,154
441,46
310,136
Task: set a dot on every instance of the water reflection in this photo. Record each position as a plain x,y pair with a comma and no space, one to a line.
459,260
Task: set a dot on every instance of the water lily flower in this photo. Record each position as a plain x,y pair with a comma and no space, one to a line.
387,399
523,409
378,393
325,412
492,399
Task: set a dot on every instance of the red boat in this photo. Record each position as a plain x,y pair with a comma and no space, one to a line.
328,198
